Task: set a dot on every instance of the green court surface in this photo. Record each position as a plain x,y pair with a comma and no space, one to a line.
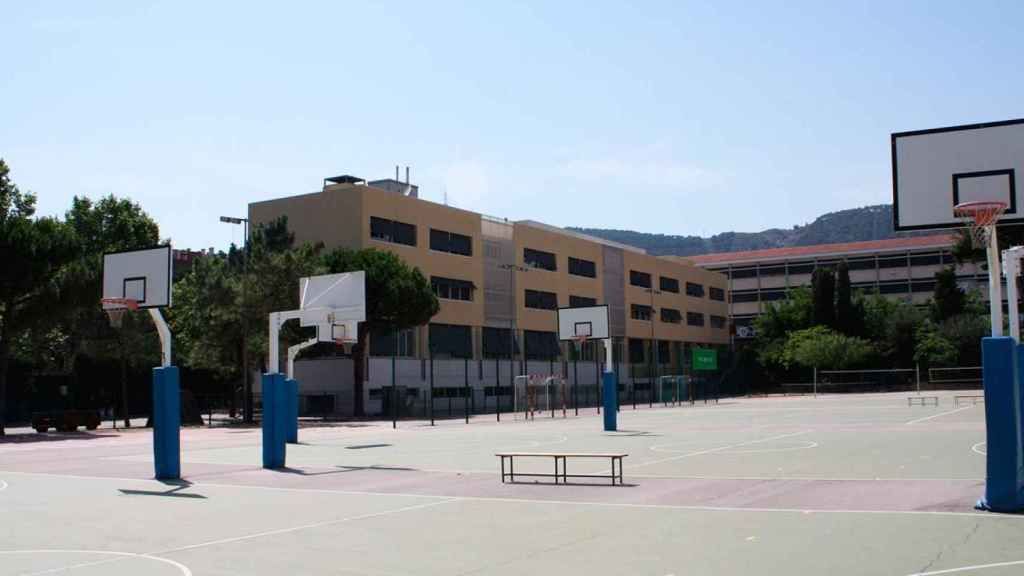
838,485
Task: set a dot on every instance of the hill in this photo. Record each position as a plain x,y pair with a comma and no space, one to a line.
857,224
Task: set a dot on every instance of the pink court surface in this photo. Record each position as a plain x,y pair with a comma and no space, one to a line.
837,485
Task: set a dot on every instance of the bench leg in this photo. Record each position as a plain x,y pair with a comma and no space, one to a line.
511,469
556,470
502,469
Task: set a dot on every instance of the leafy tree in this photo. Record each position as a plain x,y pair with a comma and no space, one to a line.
823,288
849,311
34,252
820,347
949,298
772,328
397,297
932,348
964,332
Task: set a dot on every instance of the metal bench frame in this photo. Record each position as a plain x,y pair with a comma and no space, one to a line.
974,398
560,456
922,400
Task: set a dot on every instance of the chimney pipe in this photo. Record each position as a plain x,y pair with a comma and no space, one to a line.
396,172
406,175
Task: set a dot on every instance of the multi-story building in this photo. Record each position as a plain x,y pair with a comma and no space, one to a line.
494,276
899,268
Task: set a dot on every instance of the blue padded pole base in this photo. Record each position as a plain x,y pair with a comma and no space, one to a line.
273,420
166,423
610,398
1004,463
291,412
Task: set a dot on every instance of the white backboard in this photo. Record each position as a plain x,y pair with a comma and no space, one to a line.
334,304
933,170
142,275
589,321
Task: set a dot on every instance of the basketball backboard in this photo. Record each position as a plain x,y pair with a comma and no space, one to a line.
141,275
334,304
584,323
934,170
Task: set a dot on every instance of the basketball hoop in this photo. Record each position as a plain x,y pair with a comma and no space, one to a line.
116,309
983,217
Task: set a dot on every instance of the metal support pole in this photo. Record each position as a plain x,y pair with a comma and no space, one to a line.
815,381
1011,266
431,386
293,352
917,376
165,336
497,387
995,289
465,395
394,383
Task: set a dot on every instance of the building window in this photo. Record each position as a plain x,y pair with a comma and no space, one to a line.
382,343
392,231
740,297
450,242
893,262
801,268
923,286
668,284
776,270
579,267
671,315
926,260
451,289
770,295
541,300
637,351
497,342
640,312
896,288
581,301
694,319
716,293
641,279
717,321
695,290
451,340
737,273
539,259
861,264
540,345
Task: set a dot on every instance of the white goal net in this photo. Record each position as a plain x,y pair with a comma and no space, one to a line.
539,394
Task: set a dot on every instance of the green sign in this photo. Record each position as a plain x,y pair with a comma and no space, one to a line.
705,359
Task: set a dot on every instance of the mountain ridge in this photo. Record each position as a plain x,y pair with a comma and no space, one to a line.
852,225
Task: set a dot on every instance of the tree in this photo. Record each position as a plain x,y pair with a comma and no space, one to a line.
820,347
932,348
949,298
397,297
772,328
849,312
823,288
34,252
964,332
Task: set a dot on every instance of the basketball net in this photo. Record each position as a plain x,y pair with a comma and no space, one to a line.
982,218
116,308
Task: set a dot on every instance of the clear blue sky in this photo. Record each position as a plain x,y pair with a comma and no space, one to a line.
674,117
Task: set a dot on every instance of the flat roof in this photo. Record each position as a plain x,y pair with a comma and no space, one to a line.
817,250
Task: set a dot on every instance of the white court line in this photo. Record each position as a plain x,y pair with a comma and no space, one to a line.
939,414
968,568
976,449
121,556
806,445
3,485
719,449
247,537
559,502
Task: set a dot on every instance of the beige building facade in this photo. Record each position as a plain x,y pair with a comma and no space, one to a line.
494,277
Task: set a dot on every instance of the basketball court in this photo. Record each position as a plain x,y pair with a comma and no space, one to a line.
843,484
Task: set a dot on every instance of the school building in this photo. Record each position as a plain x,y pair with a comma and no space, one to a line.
495,277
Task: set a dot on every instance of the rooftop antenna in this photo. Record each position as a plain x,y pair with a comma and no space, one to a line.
444,190
406,175
396,173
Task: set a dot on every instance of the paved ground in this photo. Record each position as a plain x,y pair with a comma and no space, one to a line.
843,485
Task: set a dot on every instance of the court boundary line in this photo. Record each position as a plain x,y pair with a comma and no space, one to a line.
926,418
976,451
681,507
120,556
720,449
968,568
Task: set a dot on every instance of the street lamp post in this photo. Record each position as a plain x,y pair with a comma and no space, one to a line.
654,349
246,385
512,269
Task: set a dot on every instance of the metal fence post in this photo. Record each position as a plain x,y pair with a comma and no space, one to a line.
917,374
465,396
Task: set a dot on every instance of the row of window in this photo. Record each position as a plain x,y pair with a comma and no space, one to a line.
666,284
899,287
397,232
673,316
456,341
862,263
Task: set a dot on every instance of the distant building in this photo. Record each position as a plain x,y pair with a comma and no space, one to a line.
472,262
901,268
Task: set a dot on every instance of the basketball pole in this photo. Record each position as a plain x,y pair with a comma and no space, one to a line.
1011,263
995,289
164,332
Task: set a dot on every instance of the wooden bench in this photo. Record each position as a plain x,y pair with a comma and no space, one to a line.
922,400
560,456
974,399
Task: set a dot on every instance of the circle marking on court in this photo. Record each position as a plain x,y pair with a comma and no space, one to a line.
120,555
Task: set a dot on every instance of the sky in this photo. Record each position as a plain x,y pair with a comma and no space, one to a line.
667,117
